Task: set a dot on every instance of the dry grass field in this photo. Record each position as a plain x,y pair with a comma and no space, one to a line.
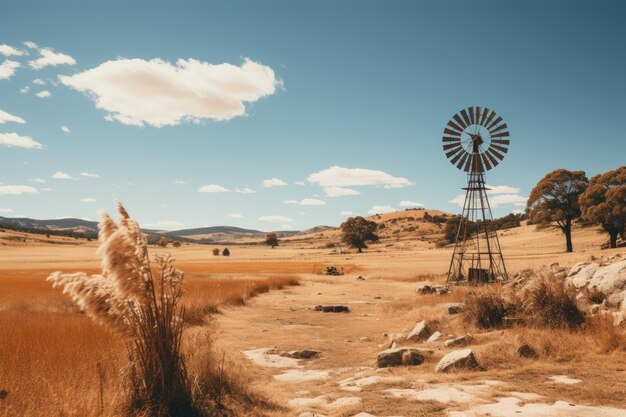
57,362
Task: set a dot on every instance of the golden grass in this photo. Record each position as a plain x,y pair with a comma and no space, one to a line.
53,359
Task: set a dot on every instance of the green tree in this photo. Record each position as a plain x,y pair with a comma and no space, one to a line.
356,231
271,239
604,202
555,199
225,252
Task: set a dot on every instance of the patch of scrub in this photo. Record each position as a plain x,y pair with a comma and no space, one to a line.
269,358
564,379
510,406
356,384
325,403
300,376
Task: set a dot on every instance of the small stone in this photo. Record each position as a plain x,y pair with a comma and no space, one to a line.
401,356
457,341
364,339
459,359
332,309
300,354
595,308
456,308
420,332
3,394
434,337
360,278
526,351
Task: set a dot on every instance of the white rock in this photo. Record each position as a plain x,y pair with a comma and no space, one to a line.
459,359
434,337
420,332
583,276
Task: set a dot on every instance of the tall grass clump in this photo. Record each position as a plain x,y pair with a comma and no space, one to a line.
549,302
485,309
143,305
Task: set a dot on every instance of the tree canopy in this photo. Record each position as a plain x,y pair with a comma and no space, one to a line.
271,239
356,231
604,202
555,199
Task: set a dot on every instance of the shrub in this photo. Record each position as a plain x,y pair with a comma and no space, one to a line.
225,252
144,308
485,309
549,302
176,244
216,252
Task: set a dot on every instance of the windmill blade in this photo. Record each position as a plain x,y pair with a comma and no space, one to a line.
451,146
460,122
451,132
462,161
497,129
498,155
493,160
500,135
482,119
491,116
457,157
453,151
477,119
485,161
455,126
447,139
498,147
501,141
468,164
465,117
495,122
471,115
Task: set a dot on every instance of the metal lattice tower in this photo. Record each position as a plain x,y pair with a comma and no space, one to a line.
476,140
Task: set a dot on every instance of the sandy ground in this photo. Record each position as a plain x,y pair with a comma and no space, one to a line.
343,379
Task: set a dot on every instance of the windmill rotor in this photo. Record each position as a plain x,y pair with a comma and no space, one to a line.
476,139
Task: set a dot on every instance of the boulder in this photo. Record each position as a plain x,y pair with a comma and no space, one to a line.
610,279
583,276
420,332
434,337
457,341
401,356
455,308
526,351
300,354
459,359
576,268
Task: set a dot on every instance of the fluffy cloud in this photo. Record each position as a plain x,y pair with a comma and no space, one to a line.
7,50
13,139
245,190
59,175
88,200
48,57
8,117
89,174
275,219
38,180
346,213
307,202
6,210
65,129
30,44
235,216
406,203
340,191
7,69
17,189
502,189
496,201
381,209
213,188
163,225
25,90
273,182
39,81
159,93
43,94
300,183
337,176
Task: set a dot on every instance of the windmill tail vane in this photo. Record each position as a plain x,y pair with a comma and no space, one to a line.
475,140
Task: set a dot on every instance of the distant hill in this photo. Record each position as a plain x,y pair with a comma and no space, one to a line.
213,229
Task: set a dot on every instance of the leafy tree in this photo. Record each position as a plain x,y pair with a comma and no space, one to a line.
176,244
555,199
271,239
356,231
604,202
225,252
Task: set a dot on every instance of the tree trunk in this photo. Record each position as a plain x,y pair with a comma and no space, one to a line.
360,251
568,235
613,236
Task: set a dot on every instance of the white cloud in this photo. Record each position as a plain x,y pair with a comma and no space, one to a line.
17,189
179,182
59,175
163,225
7,50
6,210
213,188
88,200
517,211
7,69
13,139
275,219
30,44
508,199
38,180
346,213
46,189
43,94
235,215
306,202
273,182
406,203
340,191
286,227
8,117
337,176
159,93
89,174
300,183
502,189
381,209
39,81
50,58
65,129
245,190
25,90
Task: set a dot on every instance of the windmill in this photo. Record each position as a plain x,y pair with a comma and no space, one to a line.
475,140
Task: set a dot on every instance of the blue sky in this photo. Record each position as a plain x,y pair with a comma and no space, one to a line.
230,94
